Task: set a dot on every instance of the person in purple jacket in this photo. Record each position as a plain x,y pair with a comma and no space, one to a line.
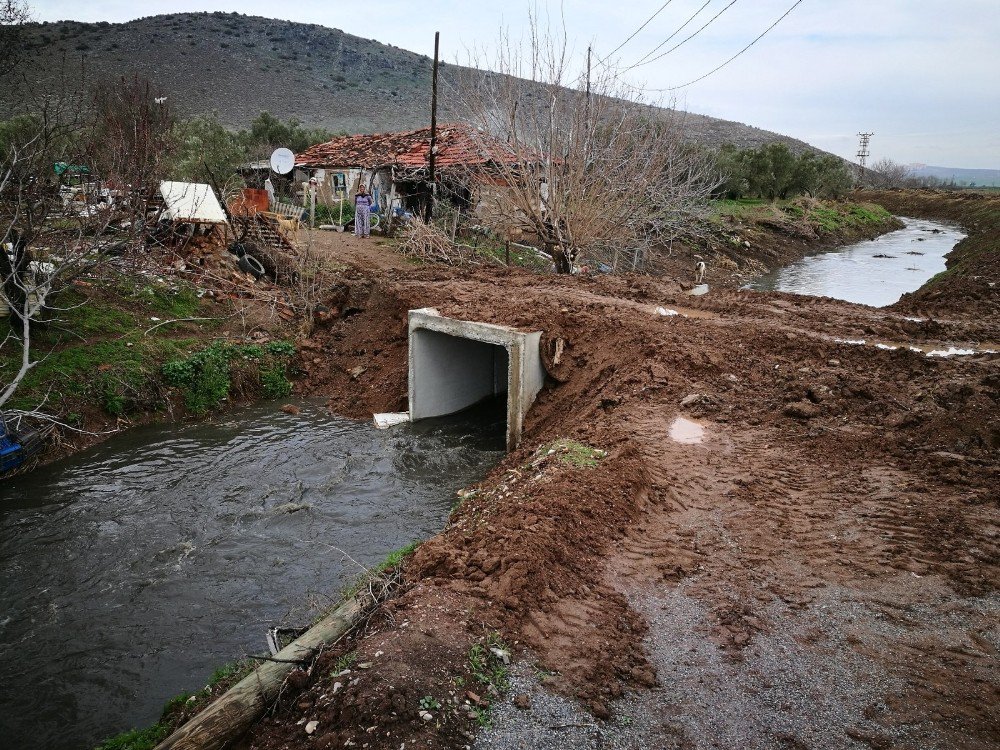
362,209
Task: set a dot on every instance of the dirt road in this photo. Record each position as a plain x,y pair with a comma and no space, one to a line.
817,570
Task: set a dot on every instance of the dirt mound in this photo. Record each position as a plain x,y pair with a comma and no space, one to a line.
825,466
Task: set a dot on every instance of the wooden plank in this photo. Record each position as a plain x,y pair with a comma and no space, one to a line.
239,707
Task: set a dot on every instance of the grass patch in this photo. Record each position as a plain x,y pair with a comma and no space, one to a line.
576,454
179,709
522,257
345,662
119,375
489,664
205,377
393,560
137,739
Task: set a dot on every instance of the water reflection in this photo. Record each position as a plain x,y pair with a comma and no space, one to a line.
132,571
876,272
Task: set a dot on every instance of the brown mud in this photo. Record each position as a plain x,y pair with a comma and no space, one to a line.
842,493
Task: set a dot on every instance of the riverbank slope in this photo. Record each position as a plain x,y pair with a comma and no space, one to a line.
819,569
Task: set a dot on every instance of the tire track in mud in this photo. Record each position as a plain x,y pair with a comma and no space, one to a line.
764,535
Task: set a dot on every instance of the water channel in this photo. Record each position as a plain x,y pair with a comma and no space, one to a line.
875,272
130,572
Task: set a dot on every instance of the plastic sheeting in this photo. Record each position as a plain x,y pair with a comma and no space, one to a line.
191,202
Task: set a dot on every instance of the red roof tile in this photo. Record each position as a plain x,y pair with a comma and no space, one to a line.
457,145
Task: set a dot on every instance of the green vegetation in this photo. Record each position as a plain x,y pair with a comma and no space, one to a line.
112,345
205,377
489,665
138,739
573,453
334,214
395,557
391,561
203,140
344,662
178,709
826,216
773,171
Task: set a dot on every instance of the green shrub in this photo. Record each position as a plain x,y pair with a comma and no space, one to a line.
205,377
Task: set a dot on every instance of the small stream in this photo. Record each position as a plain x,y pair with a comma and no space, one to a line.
875,272
132,571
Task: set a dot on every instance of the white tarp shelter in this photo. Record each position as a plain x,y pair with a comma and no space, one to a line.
191,202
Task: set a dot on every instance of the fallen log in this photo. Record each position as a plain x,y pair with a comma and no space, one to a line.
236,710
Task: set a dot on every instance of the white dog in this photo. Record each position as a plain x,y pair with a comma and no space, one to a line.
699,271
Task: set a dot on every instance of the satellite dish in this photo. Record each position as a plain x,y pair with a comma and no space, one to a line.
282,160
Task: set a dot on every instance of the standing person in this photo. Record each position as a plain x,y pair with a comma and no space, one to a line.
362,208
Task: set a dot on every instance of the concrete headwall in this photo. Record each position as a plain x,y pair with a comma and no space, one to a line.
456,363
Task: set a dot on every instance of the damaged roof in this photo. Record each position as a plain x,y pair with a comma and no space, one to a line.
457,145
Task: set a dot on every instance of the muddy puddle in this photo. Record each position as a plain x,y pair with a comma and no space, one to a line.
876,272
134,570
687,431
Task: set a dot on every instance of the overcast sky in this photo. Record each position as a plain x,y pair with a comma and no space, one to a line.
922,75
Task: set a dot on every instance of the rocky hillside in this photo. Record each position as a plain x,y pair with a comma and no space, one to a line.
239,65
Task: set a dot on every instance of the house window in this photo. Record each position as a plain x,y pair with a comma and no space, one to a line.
338,181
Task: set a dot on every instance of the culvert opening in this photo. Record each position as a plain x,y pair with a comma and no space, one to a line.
455,364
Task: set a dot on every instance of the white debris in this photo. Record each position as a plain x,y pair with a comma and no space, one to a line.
666,312
311,726
952,351
386,420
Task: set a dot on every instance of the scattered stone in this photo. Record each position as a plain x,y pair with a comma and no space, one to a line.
426,715
291,409
311,726
357,372
692,398
522,701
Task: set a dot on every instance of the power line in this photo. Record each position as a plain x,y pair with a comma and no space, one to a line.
683,41
634,33
720,67
678,31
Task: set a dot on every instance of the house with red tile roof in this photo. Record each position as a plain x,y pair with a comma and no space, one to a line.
394,167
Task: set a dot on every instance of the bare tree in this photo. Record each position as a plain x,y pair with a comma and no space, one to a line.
572,161
73,177
886,173
13,15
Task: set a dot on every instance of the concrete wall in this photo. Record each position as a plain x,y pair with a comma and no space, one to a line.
456,363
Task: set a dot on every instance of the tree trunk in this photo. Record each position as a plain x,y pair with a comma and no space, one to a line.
240,706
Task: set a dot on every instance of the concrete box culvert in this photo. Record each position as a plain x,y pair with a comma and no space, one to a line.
457,363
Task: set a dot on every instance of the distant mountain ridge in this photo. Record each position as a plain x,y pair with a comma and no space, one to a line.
240,65
959,175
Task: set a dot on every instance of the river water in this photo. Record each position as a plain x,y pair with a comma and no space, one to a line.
875,272
132,571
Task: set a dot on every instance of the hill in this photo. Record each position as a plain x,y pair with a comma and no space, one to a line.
958,175
239,65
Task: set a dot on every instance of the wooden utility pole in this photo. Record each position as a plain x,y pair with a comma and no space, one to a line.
434,108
